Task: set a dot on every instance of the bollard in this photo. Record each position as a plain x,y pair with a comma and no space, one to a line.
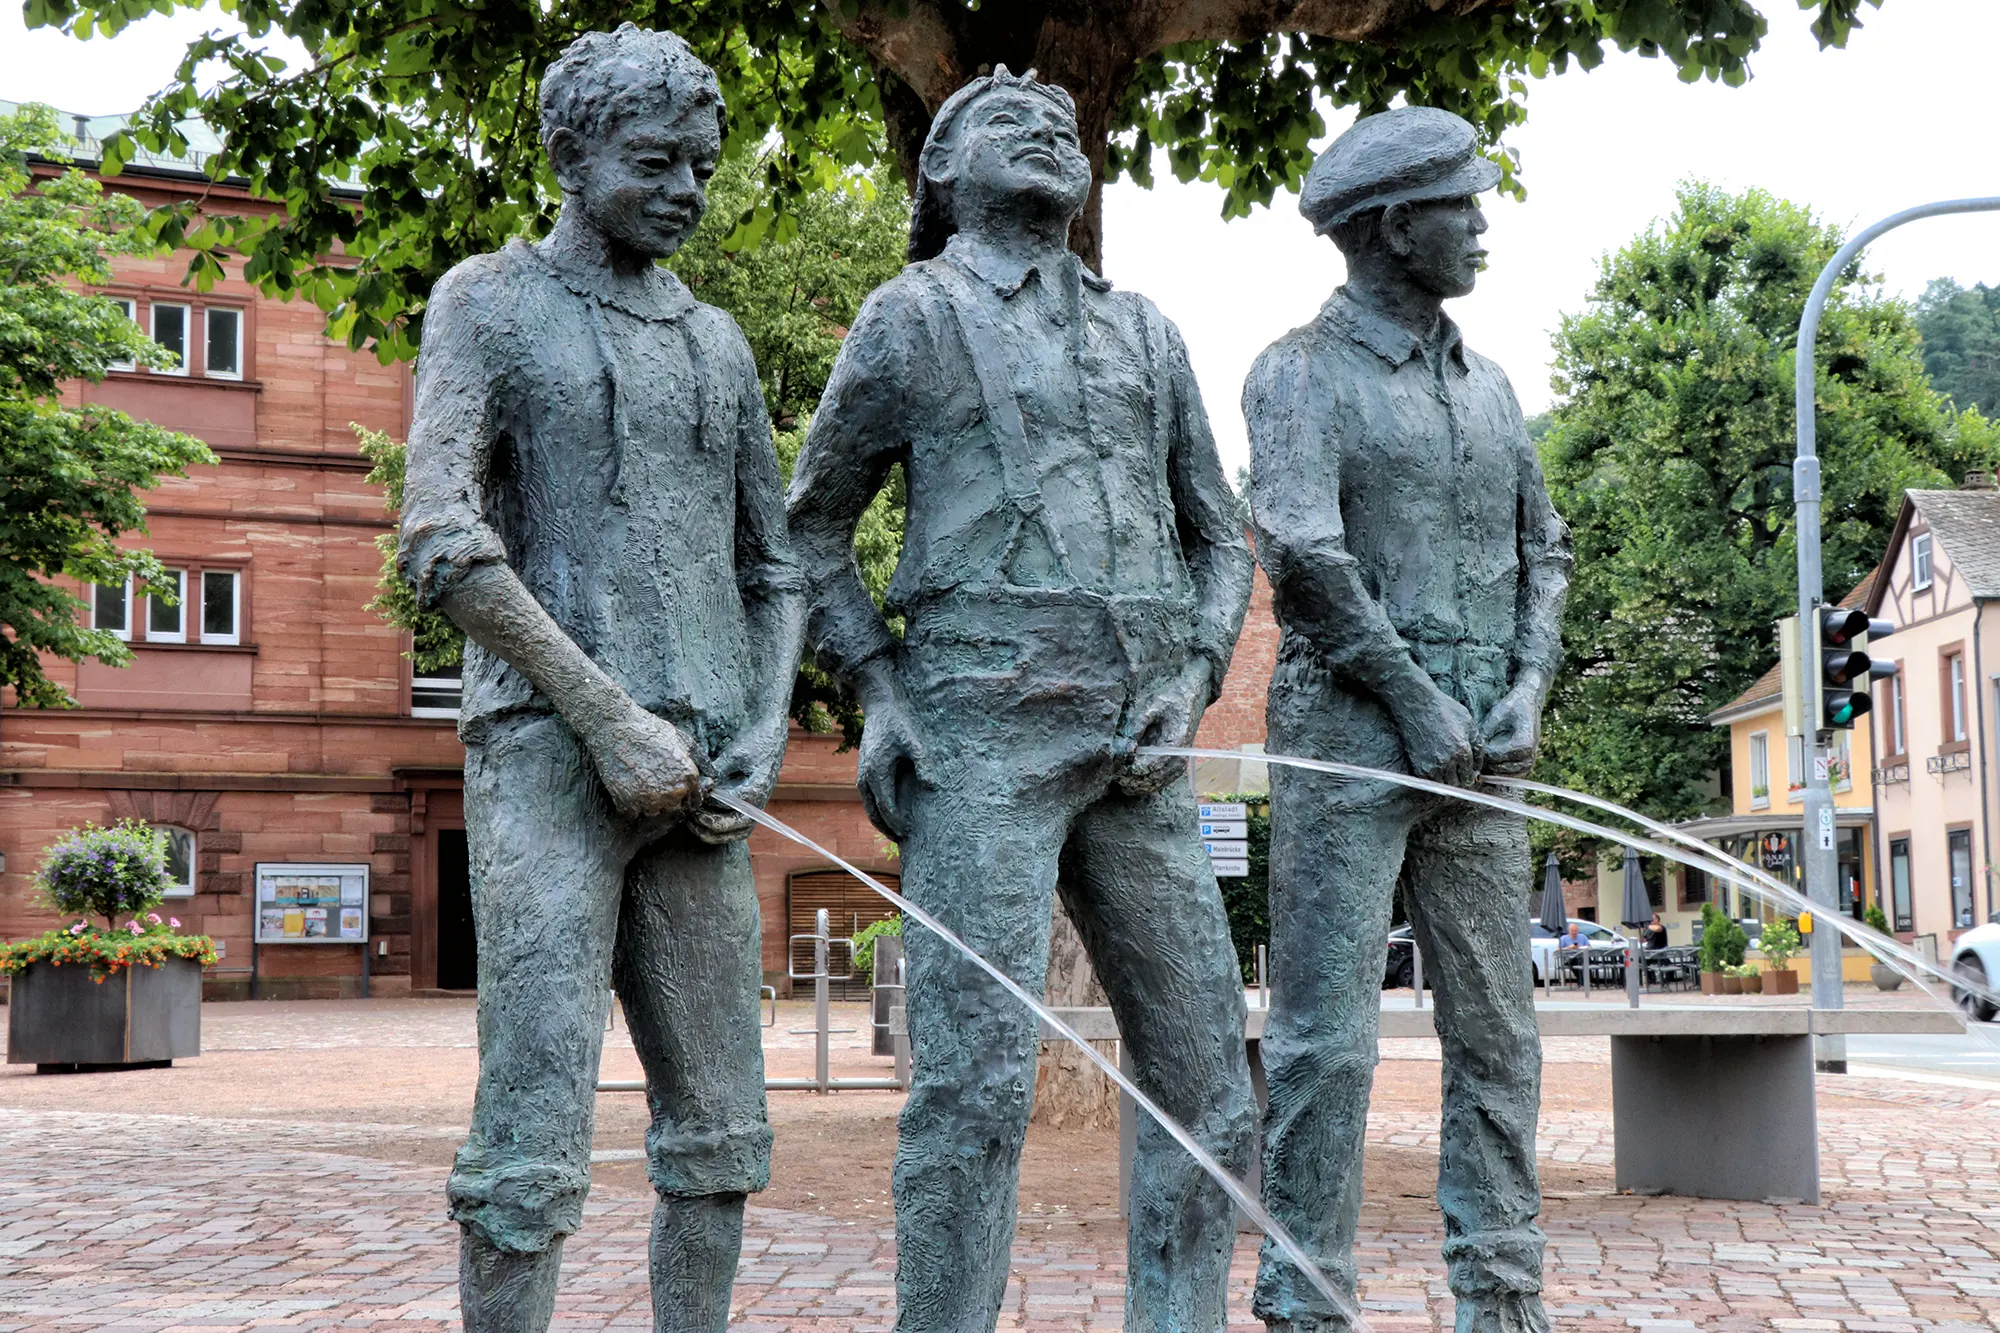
1417,969
822,1000
1632,974
1263,976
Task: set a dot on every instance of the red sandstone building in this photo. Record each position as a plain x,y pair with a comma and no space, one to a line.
272,722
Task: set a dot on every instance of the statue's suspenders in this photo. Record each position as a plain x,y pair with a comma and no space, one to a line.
1018,481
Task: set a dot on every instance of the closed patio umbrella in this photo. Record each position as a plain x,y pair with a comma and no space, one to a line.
1555,914
1637,911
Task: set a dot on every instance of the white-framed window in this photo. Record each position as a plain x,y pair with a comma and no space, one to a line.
225,343
436,693
164,623
221,606
1956,668
1898,742
125,304
1760,770
170,330
1920,561
111,608
180,861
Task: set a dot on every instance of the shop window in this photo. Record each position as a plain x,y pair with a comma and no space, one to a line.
126,305
1920,561
170,330
111,608
180,861
225,343
167,623
221,606
435,693
1899,884
1959,849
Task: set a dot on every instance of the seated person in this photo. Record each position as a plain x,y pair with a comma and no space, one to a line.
1573,938
1654,935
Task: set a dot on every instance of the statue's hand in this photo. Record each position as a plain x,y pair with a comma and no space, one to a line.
890,753
747,770
1438,738
646,764
1512,732
1169,719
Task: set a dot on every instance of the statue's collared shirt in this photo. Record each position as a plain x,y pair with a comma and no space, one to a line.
1052,437
610,442
1396,472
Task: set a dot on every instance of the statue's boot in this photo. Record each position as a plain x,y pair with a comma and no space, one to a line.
1503,1312
697,1240
500,1291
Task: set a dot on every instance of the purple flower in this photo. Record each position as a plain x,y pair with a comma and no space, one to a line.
153,917
172,921
133,926
77,929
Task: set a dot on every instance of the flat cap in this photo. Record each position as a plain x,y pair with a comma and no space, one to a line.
1407,155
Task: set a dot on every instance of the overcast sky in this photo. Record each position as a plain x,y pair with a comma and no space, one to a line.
1904,115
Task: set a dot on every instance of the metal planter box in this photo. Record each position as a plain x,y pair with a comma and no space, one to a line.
59,1019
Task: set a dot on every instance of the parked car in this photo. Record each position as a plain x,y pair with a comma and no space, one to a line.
1397,972
1543,944
1975,955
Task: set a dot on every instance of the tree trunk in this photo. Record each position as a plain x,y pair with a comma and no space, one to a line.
1070,1091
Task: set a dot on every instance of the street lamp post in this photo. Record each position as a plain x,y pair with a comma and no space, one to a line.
1820,859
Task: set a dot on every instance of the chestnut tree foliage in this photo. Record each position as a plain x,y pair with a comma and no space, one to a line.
428,107
1669,451
71,476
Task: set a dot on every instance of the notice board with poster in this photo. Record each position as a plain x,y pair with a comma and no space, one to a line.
311,903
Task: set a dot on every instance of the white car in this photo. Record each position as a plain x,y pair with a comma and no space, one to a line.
1543,944
1975,955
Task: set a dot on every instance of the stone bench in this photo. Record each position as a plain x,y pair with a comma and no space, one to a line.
1709,1101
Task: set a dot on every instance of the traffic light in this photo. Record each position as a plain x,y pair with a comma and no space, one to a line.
1840,638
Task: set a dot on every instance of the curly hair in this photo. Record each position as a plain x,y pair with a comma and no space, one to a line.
602,77
931,221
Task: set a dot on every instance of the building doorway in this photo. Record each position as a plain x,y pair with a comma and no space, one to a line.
457,946
850,905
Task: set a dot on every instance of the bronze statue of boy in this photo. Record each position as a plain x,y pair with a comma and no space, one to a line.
1418,572
594,498
1072,583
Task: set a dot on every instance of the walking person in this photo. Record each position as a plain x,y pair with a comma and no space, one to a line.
1417,572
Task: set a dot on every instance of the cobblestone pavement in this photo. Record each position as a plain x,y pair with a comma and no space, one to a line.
211,1222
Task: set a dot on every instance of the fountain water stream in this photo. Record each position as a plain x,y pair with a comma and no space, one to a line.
1669,843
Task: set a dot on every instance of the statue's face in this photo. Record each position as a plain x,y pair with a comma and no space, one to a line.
643,183
1438,244
1015,143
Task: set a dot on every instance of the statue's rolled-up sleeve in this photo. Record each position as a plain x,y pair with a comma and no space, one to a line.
1209,518
1294,423
444,532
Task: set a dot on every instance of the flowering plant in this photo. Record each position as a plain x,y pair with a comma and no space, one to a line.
108,872
147,943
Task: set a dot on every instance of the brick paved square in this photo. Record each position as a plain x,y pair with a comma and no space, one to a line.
211,1198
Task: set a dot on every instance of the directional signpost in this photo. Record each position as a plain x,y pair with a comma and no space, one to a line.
1225,830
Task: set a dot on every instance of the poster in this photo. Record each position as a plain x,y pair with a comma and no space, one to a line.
312,904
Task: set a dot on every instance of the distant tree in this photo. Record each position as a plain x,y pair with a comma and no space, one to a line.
429,107
1670,454
794,299
71,478
1961,332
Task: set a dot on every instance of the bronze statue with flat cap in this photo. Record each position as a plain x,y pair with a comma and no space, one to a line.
1418,573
